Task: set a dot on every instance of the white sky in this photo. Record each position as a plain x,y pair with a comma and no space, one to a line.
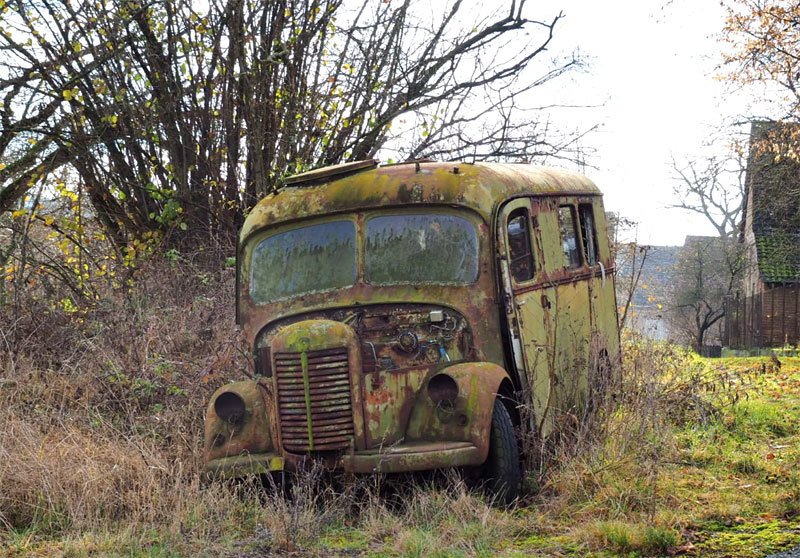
652,69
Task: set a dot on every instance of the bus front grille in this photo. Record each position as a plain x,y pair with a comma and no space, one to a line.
314,400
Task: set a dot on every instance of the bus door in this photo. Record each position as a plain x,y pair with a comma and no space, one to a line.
527,310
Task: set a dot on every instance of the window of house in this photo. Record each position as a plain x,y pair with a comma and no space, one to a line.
519,246
588,233
569,236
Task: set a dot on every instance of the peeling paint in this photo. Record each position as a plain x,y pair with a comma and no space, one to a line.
348,371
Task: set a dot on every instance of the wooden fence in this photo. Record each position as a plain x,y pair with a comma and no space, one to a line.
768,319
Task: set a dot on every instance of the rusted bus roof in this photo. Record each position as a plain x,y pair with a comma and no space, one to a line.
773,183
478,186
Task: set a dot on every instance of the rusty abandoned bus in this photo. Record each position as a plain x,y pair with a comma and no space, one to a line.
401,316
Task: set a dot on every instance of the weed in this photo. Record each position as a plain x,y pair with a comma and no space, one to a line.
629,538
765,416
616,535
790,500
746,465
658,540
101,413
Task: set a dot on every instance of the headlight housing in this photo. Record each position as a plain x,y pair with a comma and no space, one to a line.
230,407
236,421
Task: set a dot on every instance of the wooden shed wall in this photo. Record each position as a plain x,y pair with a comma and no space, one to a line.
767,319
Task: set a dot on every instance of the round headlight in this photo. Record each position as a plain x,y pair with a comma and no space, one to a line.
442,388
229,407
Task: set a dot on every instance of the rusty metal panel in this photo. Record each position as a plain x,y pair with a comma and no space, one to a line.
605,317
401,345
317,365
314,400
476,302
573,335
563,313
328,173
480,187
252,435
468,417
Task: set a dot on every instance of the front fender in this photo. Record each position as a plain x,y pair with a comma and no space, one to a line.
223,439
470,418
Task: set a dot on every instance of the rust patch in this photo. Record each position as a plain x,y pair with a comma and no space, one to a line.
384,377
314,400
250,434
378,397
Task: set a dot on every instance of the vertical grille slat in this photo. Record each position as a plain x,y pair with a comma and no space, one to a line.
326,407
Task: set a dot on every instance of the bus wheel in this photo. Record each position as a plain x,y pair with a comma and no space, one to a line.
501,472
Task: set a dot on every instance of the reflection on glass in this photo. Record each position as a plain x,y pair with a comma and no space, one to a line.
421,249
588,232
569,236
519,246
314,258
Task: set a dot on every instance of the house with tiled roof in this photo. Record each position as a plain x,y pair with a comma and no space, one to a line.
766,312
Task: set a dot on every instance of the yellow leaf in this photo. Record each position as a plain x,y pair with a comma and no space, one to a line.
68,94
48,220
18,213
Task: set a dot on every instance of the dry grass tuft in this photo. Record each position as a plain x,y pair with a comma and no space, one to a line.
102,418
102,409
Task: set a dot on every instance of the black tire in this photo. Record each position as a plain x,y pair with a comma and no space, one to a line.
501,472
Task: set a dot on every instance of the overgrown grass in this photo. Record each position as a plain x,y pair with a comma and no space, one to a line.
101,414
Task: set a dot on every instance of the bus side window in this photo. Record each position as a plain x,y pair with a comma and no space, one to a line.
569,236
519,246
588,233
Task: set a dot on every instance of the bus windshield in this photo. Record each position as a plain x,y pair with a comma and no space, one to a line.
399,249
426,248
314,258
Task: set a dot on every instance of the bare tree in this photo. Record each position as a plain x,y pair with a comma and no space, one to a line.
176,117
708,271
630,258
713,188
709,268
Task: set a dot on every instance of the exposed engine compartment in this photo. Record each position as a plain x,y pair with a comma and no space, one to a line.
393,337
